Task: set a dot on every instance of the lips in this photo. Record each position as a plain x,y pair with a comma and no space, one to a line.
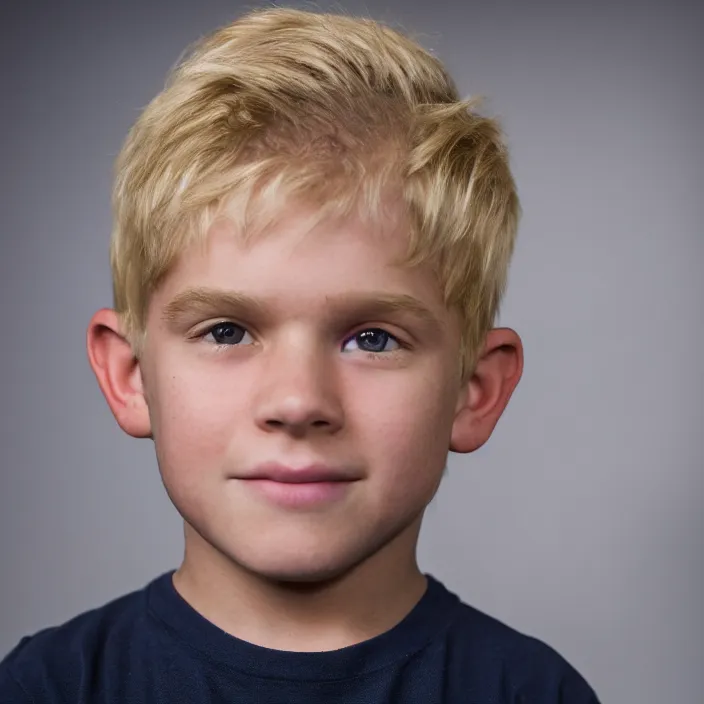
312,487
300,475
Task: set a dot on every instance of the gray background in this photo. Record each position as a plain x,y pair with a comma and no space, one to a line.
581,521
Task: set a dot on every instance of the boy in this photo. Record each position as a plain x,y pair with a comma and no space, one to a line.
306,187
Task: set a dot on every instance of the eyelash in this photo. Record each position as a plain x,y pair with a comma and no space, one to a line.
370,355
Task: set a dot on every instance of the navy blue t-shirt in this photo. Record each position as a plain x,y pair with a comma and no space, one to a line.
151,646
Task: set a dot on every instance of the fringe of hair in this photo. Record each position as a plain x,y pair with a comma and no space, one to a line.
344,114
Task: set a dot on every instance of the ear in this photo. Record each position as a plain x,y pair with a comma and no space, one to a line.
118,373
485,395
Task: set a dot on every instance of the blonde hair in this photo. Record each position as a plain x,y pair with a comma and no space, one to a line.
343,113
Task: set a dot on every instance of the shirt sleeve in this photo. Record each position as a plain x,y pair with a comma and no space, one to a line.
543,676
10,690
565,687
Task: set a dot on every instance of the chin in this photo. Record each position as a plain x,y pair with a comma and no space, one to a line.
303,570
303,555
309,562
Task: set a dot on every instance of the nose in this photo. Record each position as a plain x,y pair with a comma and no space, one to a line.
298,393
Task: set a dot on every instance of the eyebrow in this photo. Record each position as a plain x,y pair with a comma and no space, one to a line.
208,301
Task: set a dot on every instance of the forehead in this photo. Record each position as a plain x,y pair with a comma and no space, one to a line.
298,253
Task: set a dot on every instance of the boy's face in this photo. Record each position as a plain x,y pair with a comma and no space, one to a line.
286,354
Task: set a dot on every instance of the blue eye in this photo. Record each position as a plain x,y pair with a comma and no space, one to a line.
374,340
226,333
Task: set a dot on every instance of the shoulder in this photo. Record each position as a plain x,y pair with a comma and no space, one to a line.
50,664
523,667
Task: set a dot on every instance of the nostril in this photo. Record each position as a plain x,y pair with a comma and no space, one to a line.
320,423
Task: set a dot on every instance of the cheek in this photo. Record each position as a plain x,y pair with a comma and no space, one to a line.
407,435
193,421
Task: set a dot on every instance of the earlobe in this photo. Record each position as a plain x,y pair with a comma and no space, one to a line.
118,373
487,393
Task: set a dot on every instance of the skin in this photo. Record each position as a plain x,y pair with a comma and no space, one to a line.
301,387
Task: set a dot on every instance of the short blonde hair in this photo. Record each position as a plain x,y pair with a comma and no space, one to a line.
343,113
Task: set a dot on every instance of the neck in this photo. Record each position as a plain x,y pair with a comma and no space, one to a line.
362,603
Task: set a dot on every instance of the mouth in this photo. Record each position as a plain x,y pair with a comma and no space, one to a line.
290,487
